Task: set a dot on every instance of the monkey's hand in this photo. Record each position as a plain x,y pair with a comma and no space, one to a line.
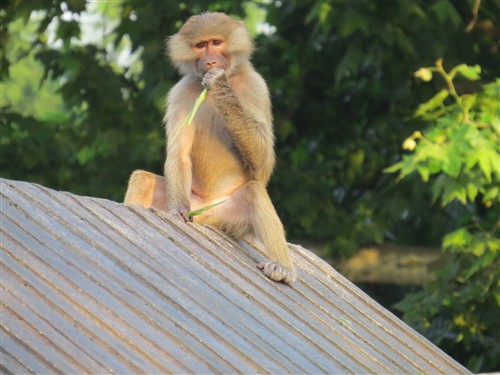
277,272
181,213
211,76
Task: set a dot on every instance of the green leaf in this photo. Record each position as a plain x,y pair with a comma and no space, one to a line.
454,192
425,74
68,29
197,104
445,11
468,101
354,22
458,238
85,154
494,244
190,116
472,73
350,62
435,102
424,172
76,6
495,161
491,193
299,156
437,187
476,266
478,249
452,166
199,211
394,168
472,160
471,191
324,11
485,163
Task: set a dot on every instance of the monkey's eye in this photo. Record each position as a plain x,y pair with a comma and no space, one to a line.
201,45
217,42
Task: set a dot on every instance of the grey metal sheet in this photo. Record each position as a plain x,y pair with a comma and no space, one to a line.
93,286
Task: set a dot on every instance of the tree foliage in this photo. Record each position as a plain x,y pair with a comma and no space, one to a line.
459,157
334,139
111,120
83,88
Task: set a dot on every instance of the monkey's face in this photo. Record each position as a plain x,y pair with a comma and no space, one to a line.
210,40
211,53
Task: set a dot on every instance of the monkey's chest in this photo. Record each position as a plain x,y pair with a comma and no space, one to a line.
215,160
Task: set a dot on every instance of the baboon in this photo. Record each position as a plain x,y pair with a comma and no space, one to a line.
227,153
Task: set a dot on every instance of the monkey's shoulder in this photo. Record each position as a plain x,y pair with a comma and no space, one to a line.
184,92
253,93
247,78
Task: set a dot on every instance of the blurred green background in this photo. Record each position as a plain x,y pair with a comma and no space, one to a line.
82,95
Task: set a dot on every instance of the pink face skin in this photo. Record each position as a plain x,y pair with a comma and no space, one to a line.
211,53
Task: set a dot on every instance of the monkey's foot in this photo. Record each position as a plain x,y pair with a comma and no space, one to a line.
181,214
277,272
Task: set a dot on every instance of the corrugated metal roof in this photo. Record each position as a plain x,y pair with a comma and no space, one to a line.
93,286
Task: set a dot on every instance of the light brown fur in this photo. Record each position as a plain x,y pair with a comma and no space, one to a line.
227,153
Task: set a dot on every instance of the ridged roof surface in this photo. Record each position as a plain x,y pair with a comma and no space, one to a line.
93,286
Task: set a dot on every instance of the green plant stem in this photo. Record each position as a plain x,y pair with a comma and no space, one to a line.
189,119
201,210
451,89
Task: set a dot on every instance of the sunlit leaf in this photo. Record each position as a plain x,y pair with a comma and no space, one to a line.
409,144
485,163
435,102
472,73
201,210
425,74
471,191
393,168
452,166
197,104
189,119
478,249
424,172
491,193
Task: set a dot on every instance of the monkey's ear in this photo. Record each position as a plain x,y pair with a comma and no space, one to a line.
240,41
180,53
178,49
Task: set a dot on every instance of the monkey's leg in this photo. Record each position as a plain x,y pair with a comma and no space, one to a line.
146,189
268,228
249,209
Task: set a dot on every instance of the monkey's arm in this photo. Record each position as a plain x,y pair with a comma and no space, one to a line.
251,128
178,163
